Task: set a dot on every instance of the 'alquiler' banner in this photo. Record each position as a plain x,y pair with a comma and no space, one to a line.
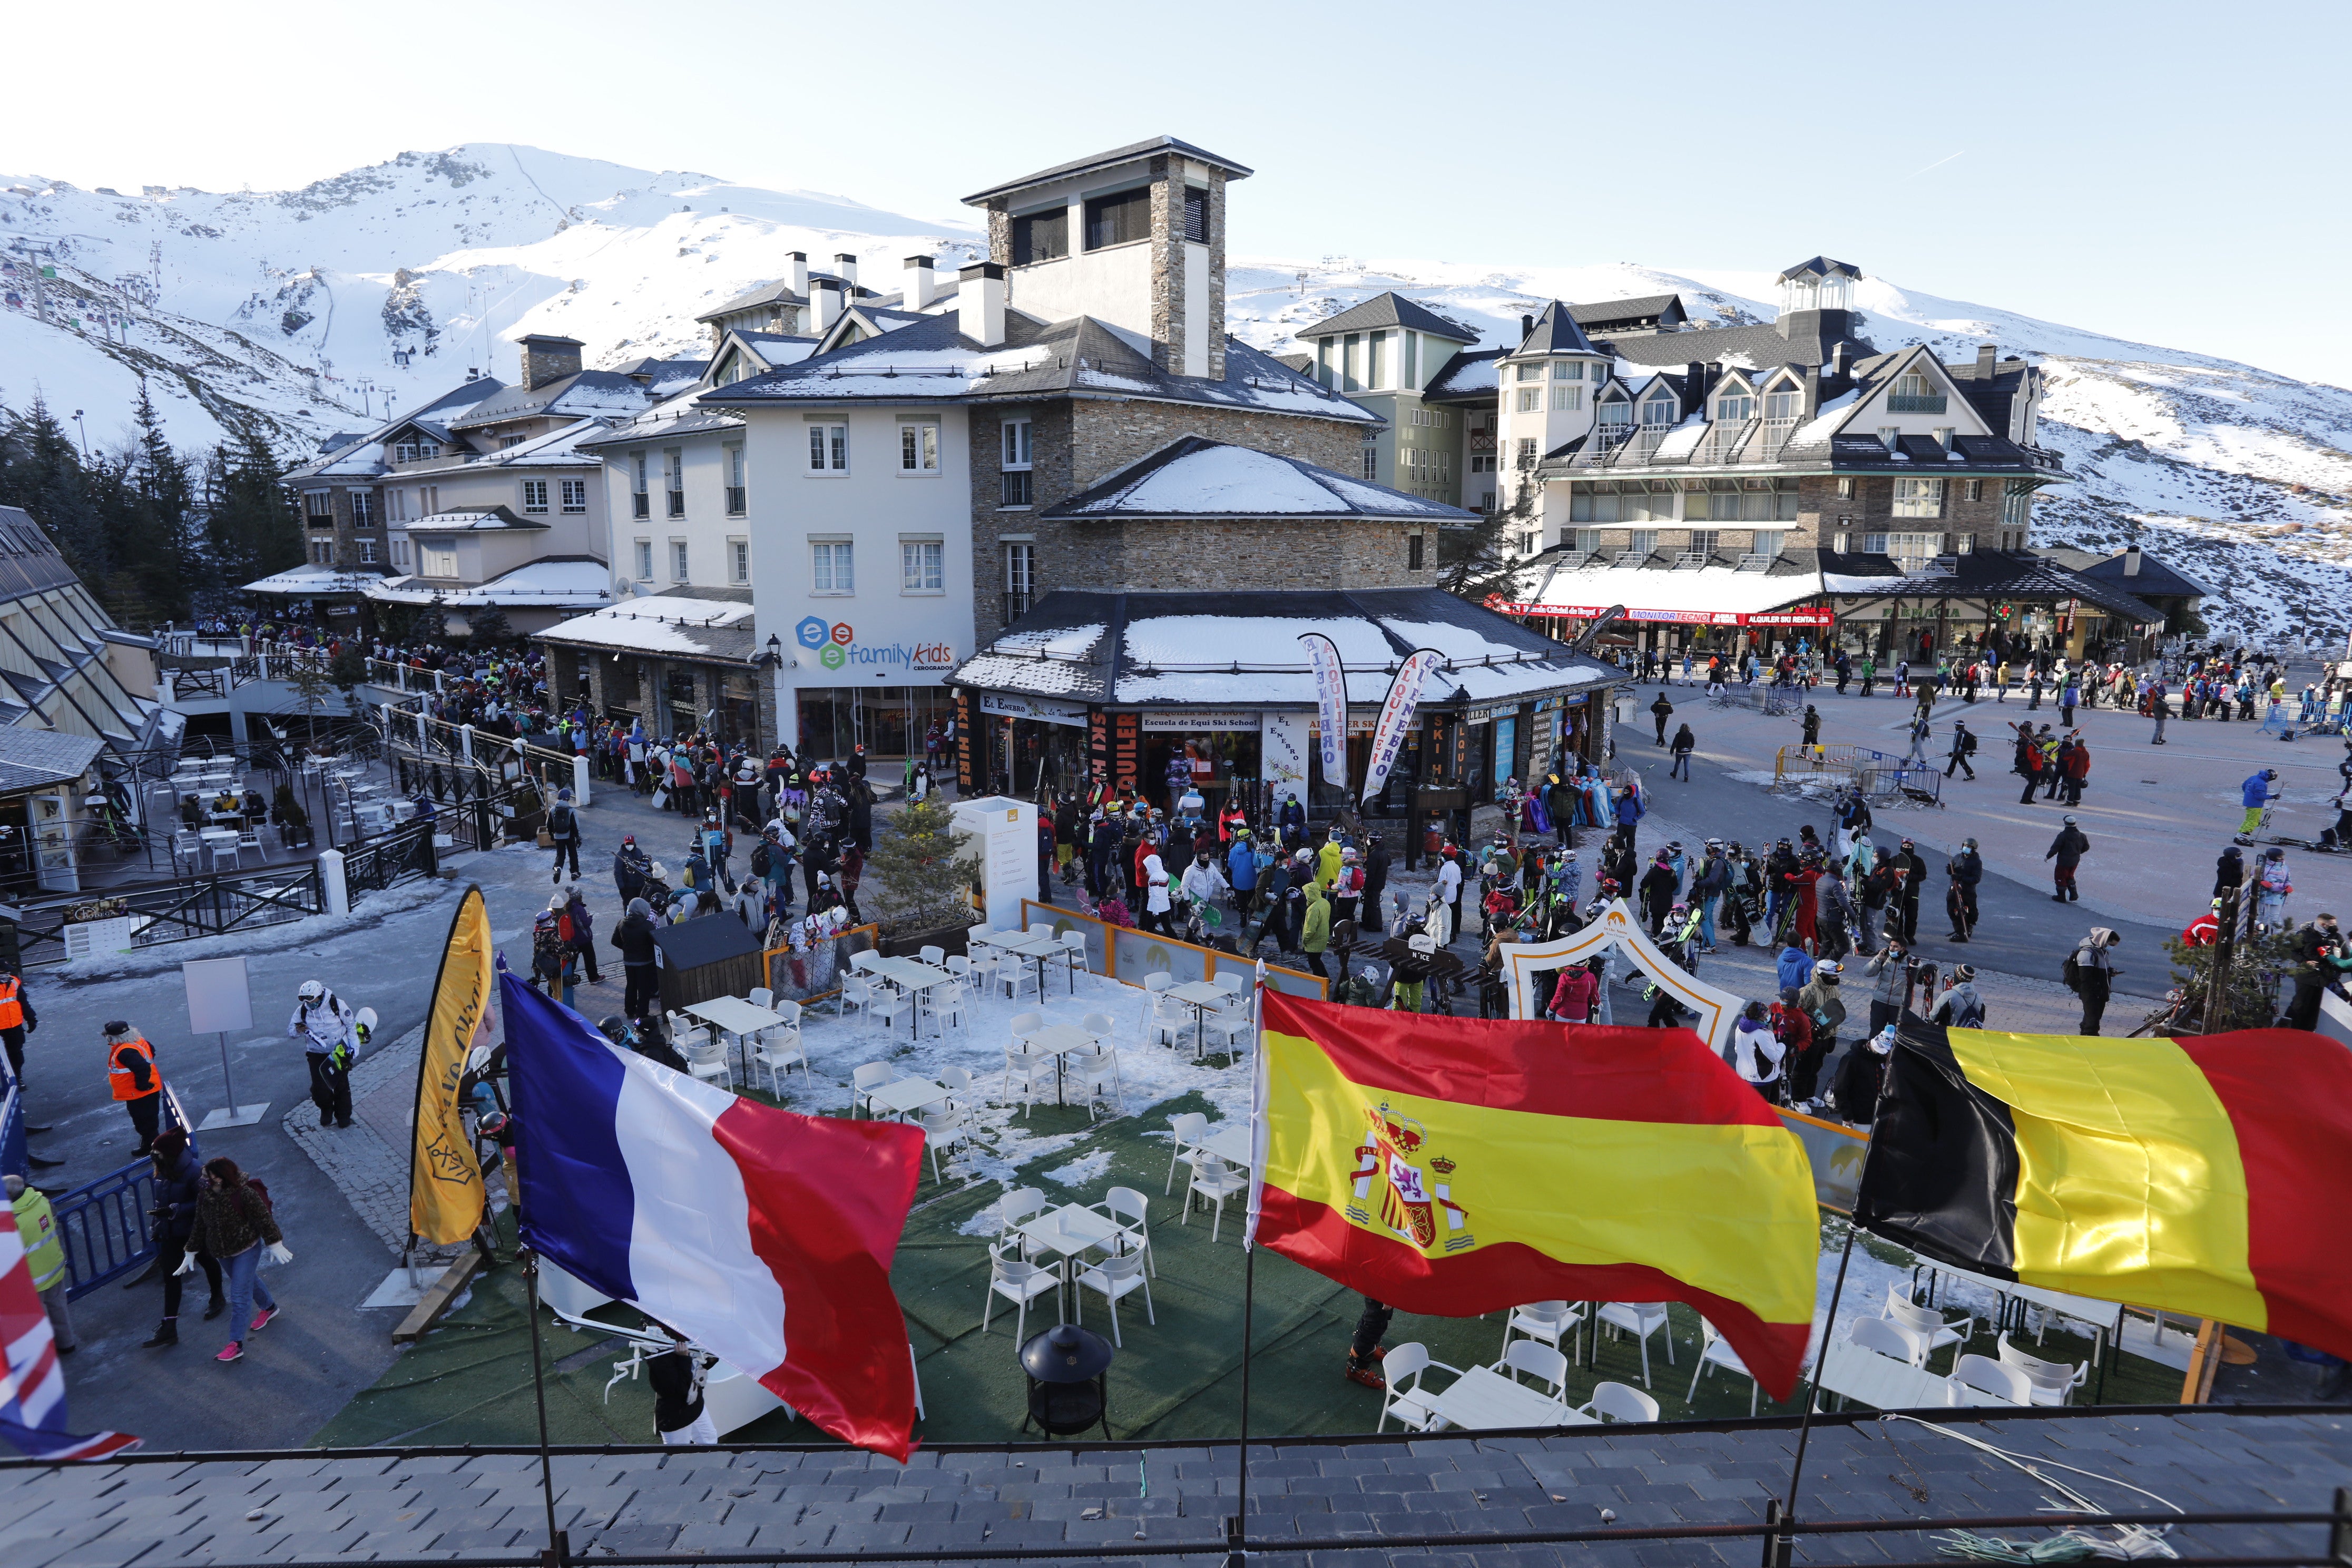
1331,701
1396,716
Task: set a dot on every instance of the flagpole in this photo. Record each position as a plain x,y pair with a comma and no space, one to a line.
1236,1551
557,1548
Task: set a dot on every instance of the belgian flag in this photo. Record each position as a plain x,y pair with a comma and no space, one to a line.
1457,1166
2210,1176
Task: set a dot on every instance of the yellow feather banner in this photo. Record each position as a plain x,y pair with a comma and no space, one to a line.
445,1182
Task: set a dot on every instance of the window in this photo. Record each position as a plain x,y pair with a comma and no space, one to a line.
739,561
362,508
1041,236
1412,553
319,507
439,561
1845,489
828,448
1767,541
640,503
736,493
1943,438
1323,361
534,495
1196,215
1368,456
1531,399
678,570
1570,398
1618,413
1526,451
1659,410
1567,370
1915,394
367,552
1376,372
1020,580
831,566
1642,543
921,566
415,451
575,495
1351,362
1588,540
674,471
1918,498
1705,541
1968,544
1118,219
1874,544
644,560
1781,408
1531,371
1014,460
1735,409
1890,437
1413,363
918,448
1976,489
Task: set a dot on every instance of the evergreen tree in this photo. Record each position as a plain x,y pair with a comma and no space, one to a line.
919,865
154,540
249,527
1481,558
41,469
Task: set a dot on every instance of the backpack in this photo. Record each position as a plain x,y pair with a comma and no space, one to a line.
697,873
2071,972
546,946
763,859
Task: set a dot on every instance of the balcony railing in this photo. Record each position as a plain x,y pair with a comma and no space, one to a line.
1915,403
677,503
641,505
735,494
1017,605
1690,559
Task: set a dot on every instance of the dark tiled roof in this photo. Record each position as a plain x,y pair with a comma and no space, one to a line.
1303,364
592,391
1984,574
1663,308
954,1497
1756,346
1822,266
1127,154
1467,377
1390,308
2154,578
41,759
1556,331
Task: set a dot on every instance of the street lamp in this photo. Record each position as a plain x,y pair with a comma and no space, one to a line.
772,659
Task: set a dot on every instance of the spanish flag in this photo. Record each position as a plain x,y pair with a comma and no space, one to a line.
1454,1167
2209,1176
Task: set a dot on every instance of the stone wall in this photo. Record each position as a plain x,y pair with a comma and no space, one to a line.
1823,513
1079,444
1240,554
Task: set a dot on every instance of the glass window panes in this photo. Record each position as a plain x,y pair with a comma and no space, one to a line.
1659,410
1041,236
828,448
1016,444
534,495
1704,541
1531,371
1918,498
575,495
1568,397
918,448
644,560
1118,219
920,566
1783,405
738,560
1531,399
677,571
1643,541
1567,370
831,567
1737,408
1767,541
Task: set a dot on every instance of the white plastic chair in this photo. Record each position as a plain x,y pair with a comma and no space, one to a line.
1541,1362
1015,1209
1111,1279
762,997
1153,984
1929,1324
707,1060
1406,1367
1096,1072
934,956
1125,1207
1029,1072
957,1081
1215,1180
944,1130
1716,1351
1073,961
960,966
864,1081
856,991
1550,1321
889,1003
2054,1381
1615,1402
1228,1022
777,1048
944,1001
864,960
1640,1319
1188,1128
1888,1338
1980,1380
1012,972
1021,1283
1170,1021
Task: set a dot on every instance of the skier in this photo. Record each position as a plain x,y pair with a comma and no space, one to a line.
2255,795
323,1021
2067,849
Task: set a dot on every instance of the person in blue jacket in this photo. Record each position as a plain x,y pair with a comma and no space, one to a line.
1240,871
2255,795
1795,968
1629,812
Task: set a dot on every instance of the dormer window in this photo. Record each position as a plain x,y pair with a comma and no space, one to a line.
1783,406
1660,410
1616,411
1041,236
1735,409
1567,370
1915,394
415,451
1531,371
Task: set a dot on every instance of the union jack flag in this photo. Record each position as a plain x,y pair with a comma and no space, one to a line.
32,1383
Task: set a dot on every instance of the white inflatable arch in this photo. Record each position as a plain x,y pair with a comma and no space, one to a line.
1716,1009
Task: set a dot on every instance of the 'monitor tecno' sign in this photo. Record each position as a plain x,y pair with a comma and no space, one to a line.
1809,617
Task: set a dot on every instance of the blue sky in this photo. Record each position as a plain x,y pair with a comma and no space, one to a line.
2168,173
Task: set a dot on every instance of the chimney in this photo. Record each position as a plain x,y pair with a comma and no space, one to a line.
1812,390
797,279
1837,361
824,304
2131,551
1526,328
845,266
546,359
1693,388
919,294
1985,356
980,304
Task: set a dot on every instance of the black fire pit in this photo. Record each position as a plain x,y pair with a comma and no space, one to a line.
1068,1387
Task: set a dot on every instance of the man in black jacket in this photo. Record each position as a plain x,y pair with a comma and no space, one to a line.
564,830
1376,879
1966,870
1964,746
634,937
677,1377
2068,849
1915,882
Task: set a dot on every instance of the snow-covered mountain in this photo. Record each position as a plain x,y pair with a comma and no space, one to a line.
309,311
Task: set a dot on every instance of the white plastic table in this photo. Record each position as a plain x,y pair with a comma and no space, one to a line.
1232,1143
1040,949
911,976
1200,995
1483,1399
734,1015
902,1096
1060,1039
1881,1382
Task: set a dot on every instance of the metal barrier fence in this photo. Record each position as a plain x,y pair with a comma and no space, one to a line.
403,855
179,911
104,1226
1880,776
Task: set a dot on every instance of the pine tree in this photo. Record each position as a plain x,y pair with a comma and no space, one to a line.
41,471
153,538
2250,999
249,530
919,865
1478,559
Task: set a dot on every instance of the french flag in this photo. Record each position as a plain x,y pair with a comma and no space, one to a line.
32,1383
763,1235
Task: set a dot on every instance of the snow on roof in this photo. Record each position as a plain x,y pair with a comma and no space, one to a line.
1713,590
484,520
312,579
659,623
1194,476
558,583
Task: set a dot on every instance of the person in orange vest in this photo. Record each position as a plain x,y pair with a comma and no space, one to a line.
130,1074
17,1021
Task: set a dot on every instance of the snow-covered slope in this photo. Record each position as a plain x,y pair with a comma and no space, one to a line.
305,313
2240,476
298,309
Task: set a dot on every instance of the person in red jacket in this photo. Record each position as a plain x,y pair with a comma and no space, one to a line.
2075,765
1573,998
2205,929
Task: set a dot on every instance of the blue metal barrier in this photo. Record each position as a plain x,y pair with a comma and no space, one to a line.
105,1227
